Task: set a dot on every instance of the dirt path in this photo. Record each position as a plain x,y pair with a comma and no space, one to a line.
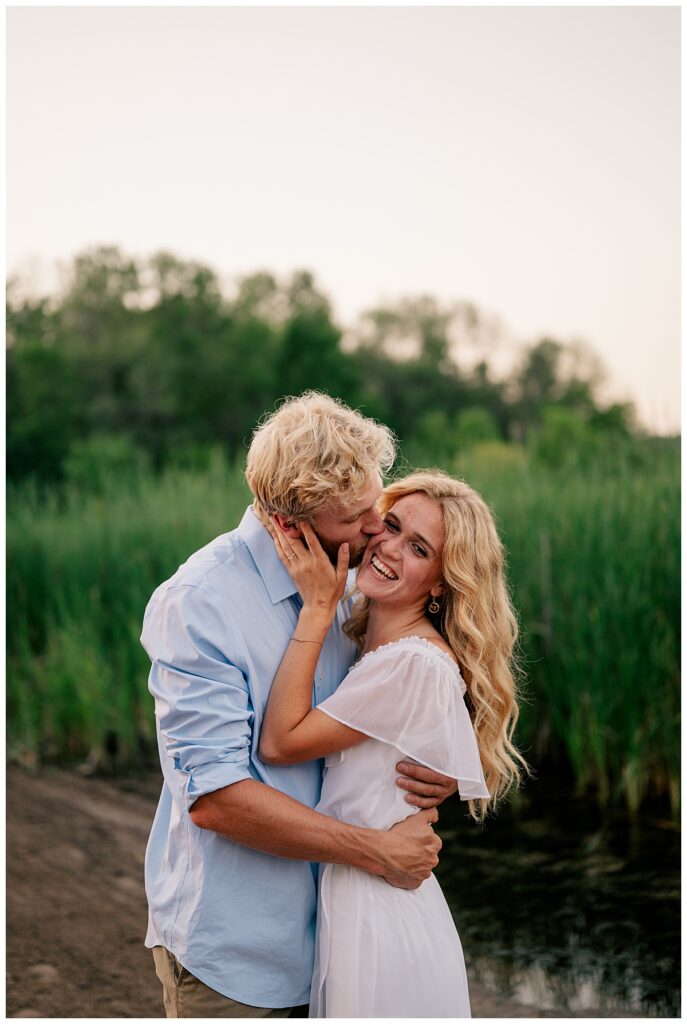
76,908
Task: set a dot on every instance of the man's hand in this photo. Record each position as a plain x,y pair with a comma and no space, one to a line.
426,788
411,850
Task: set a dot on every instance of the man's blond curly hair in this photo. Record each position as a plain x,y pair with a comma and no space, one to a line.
314,452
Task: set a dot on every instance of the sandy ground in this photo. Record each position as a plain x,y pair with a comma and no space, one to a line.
76,907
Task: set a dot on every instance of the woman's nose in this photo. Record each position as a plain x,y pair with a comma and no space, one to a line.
390,546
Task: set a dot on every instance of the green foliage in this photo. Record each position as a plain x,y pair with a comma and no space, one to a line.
539,374
310,351
435,432
97,461
562,436
447,435
44,410
475,426
553,375
566,436
154,350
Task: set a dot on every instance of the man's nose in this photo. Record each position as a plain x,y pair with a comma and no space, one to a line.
374,523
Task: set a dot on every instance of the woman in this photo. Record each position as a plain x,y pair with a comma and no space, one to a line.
434,683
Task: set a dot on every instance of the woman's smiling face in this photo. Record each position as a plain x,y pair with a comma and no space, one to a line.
403,564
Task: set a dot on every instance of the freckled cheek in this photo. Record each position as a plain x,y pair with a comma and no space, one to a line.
420,579
414,580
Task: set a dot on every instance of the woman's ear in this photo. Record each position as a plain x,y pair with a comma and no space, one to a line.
286,525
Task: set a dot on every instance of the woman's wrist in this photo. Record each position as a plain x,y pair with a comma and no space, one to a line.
313,624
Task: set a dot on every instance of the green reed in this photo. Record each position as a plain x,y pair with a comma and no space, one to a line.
80,571
593,561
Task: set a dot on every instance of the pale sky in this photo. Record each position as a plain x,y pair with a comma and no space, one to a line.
525,158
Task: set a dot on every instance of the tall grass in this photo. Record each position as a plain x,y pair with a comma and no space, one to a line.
80,570
594,568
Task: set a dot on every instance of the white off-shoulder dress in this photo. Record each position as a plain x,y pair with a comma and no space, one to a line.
383,951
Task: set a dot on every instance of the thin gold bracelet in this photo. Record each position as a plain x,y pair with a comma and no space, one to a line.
299,641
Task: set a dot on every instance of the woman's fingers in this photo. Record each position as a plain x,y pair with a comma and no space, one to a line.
279,545
289,547
311,540
342,560
322,558
283,549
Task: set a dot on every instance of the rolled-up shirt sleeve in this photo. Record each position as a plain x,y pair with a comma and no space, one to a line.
202,700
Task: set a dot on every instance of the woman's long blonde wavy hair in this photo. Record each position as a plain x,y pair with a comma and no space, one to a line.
476,619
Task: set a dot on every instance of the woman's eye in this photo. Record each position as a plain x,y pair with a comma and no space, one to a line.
419,551
391,525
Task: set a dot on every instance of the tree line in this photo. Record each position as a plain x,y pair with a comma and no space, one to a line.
150,361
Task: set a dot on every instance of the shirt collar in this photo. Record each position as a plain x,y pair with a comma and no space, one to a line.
279,584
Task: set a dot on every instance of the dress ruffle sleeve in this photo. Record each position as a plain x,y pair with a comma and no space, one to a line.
410,694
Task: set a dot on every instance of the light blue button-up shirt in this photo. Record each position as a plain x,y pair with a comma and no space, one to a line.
241,921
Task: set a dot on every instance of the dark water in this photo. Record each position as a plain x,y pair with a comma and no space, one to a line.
564,910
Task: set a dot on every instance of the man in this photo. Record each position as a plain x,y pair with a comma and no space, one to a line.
229,875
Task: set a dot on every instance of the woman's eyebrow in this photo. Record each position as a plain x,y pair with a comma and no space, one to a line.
418,536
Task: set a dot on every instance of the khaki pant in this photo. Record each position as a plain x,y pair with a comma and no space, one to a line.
185,996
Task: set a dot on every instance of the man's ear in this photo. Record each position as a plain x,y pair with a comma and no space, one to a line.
287,525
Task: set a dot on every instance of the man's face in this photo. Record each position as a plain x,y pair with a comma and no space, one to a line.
351,522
